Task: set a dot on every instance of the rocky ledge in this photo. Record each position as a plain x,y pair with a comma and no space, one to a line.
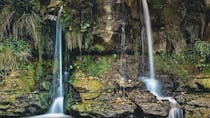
195,105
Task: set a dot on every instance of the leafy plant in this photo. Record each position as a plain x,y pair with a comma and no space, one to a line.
20,48
14,55
77,23
97,47
202,49
19,18
96,66
171,64
25,6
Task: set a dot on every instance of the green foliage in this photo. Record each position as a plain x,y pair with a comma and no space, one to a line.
202,50
14,55
95,66
19,47
77,15
76,19
66,20
194,60
158,3
97,47
25,6
20,20
171,64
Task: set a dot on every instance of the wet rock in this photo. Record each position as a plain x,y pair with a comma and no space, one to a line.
106,108
16,98
111,17
16,104
168,84
199,83
149,104
89,88
195,105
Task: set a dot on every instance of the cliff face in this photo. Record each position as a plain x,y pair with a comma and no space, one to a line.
175,23
179,23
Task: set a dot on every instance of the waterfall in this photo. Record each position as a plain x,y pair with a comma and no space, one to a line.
149,37
56,109
151,83
57,106
122,45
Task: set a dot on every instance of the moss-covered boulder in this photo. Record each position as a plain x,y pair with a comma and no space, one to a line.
20,97
108,108
200,83
89,87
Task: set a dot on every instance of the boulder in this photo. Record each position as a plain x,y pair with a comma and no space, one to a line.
195,105
149,103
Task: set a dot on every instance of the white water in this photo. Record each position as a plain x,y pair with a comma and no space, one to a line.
52,115
56,109
122,44
151,83
149,39
57,106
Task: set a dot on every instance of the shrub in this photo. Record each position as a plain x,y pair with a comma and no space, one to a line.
202,50
13,55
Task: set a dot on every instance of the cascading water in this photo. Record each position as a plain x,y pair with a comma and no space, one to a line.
56,110
57,106
149,39
151,83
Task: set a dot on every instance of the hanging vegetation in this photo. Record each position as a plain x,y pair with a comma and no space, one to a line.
20,19
13,55
77,21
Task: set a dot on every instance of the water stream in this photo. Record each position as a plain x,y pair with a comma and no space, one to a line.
153,85
56,109
57,106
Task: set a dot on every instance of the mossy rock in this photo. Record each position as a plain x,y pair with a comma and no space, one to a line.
88,84
19,81
88,88
88,96
90,106
200,83
82,107
55,3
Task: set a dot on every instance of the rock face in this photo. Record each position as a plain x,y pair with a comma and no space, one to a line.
95,101
195,105
16,104
110,18
22,96
149,104
199,83
114,94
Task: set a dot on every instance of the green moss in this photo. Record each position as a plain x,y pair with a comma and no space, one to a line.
82,107
97,47
205,83
89,96
158,3
90,85
20,82
95,66
89,105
